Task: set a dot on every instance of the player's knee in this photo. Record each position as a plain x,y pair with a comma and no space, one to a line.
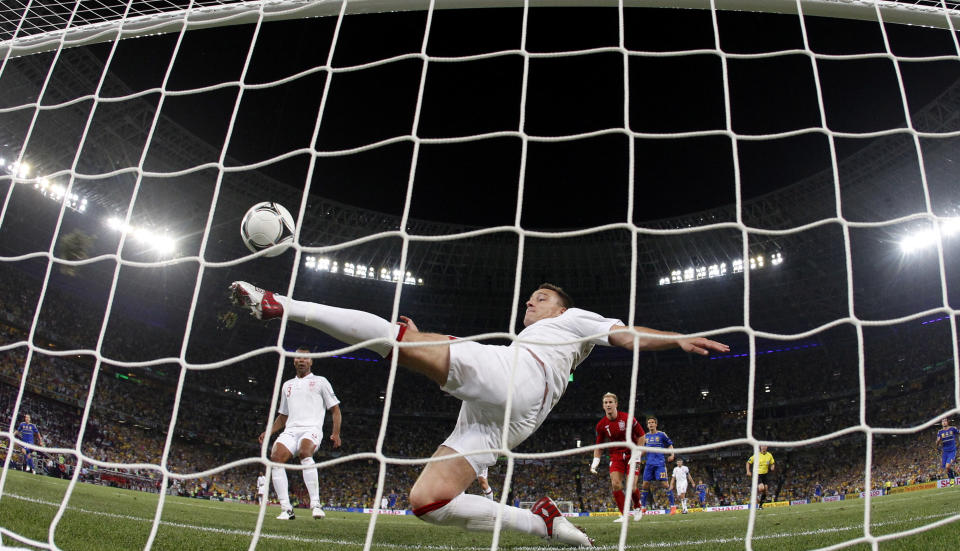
420,498
279,455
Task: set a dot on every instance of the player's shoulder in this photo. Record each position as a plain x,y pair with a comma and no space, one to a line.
573,315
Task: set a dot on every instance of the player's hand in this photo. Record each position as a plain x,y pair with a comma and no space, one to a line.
262,436
408,323
335,438
594,464
701,345
670,459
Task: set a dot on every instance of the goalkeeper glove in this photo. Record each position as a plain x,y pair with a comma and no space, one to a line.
594,465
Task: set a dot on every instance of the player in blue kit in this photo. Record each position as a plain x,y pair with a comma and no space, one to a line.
702,493
656,468
947,441
30,434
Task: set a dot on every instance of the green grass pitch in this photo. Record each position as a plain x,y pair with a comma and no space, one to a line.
98,517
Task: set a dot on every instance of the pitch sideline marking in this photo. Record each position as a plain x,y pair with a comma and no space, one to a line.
649,545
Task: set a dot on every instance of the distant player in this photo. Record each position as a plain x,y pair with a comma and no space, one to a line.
765,466
702,493
817,493
656,468
384,503
262,488
613,427
304,401
392,499
946,440
484,484
30,434
681,475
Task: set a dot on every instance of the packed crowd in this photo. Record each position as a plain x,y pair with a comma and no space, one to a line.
221,411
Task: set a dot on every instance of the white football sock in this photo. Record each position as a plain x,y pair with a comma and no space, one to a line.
349,326
279,476
479,514
488,493
312,481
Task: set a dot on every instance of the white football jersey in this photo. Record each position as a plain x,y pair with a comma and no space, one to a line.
681,473
305,401
573,324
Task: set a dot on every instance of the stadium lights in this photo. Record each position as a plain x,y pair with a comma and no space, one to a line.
19,169
696,273
362,271
161,243
923,239
58,193
55,192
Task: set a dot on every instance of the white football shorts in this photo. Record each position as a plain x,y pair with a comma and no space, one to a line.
480,376
292,436
681,488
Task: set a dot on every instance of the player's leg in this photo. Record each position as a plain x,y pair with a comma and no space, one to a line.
616,485
281,454
666,486
352,327
307,447
438,497
762,495
649,472
635,495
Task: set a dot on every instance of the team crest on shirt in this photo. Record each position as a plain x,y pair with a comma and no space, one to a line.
623,424
312,384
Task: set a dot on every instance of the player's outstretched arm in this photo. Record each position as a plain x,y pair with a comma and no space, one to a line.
335,431
652,339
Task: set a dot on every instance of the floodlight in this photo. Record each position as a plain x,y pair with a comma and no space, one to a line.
164,244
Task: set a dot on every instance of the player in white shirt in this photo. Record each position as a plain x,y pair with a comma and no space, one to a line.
304,402
261,488
480,376
678,483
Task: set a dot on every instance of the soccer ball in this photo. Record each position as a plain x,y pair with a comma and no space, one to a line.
265,225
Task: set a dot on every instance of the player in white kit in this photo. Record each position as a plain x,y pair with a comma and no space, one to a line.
681,475
480,376
261,488
304,402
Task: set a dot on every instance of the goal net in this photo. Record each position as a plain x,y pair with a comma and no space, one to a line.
778,175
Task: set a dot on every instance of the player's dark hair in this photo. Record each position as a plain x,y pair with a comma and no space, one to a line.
654,418
565,299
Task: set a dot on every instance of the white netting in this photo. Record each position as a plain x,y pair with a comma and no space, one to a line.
72,102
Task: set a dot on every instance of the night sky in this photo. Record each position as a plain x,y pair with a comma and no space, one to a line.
575,183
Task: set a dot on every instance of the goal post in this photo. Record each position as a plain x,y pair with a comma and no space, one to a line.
40,32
